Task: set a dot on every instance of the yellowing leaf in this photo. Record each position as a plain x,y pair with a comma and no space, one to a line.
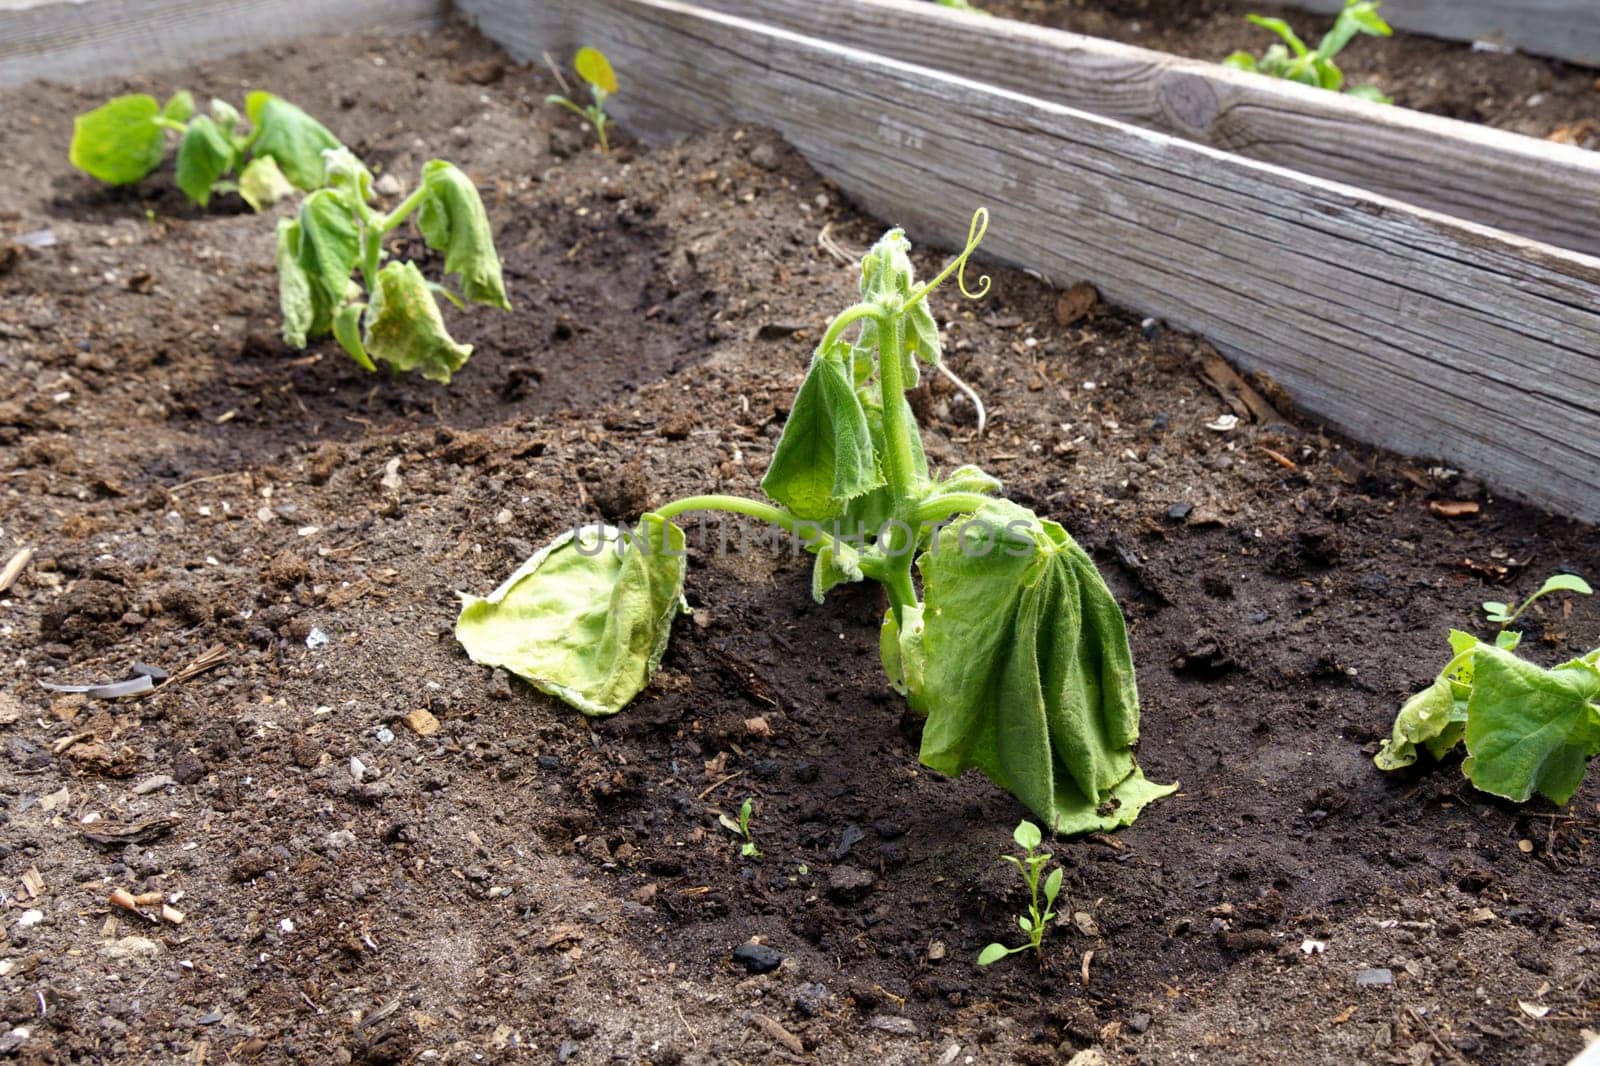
262,184
593,67
587,618
327,248
403,326
119,141
294,288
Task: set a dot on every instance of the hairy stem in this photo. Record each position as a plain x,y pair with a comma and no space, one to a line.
386,223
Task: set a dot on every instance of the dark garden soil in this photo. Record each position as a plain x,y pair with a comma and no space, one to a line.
1522,93
387,854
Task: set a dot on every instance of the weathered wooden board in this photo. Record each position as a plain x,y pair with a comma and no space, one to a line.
1566,29
1408,328
69,40
1549,192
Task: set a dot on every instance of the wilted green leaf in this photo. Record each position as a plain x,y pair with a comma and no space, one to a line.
453,221
404,327
1029,675
825,457
837,563
1530,729
119,141
582,620
204,155
905,657
294,288
327,248
290,136
593,67
262,184
347,331
1434,717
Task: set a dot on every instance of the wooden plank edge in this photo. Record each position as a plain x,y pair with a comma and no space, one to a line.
72,40
1416,331
1547,191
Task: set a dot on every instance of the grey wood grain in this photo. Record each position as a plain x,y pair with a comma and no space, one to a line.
1550,192
1411,329
1565,29
69,40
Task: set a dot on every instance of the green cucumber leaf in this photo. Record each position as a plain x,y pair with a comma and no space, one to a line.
922,332
837,563
825,457
204,155
1434,717
290,136
262,184
347,331
294,288
905,657
327,248
453,221
864,516
587,618
403,326
1530,729
119,141
1029,674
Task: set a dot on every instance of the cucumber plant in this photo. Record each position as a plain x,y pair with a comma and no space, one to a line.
595,70
1526,729
392,314
1031,866
1013,649
1292,60
274,146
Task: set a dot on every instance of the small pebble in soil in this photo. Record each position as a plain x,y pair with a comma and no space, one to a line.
757,958
385,735
893,1023
1375,978
810,998
848,884
316,638
1139,1022
1179,511
851,836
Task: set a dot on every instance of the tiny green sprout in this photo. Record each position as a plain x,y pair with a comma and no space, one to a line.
1032,864
1316,68
392,313
741,828
1502,613
595,69
274,146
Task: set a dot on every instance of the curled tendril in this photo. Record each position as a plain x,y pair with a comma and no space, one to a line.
958,265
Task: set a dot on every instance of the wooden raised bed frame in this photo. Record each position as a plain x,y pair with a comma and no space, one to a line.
1402,276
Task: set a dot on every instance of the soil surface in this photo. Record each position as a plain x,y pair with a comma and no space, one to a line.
1522,93
386,854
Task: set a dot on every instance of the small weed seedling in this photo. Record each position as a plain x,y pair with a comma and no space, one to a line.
1013,649
741,828
1526,729
1293,61
595,70
338,233
277,151
1031,865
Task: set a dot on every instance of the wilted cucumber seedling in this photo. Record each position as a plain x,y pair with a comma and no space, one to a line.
279,149
1012,648
392,314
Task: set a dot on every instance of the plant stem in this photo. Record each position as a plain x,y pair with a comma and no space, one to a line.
385,223
897,463
812,536
942,507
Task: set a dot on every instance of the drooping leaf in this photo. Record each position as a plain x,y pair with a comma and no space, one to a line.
1029,674
262,184
1530,729
922,332
204,155
453,221
327,248
1436,717
864,516
904,655
347,331
179,106
837,564
825,457
119,141
294,288
403,326
595,69
290,136
1283,30
587,618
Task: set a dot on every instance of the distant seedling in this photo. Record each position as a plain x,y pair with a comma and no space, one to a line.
337,234
1031,865
1293,61
741,829
279,149
595,70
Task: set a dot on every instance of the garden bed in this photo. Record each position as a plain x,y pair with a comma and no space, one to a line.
523,877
